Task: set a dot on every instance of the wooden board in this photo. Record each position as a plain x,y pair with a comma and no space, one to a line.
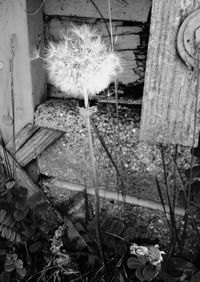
36,40
23,178
129,10
13,21
21,137
31,141
169,92
36,144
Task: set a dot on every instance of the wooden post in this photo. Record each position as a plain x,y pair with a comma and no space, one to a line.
13,21
169,93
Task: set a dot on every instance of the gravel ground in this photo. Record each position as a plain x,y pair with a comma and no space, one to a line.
68,159
138,162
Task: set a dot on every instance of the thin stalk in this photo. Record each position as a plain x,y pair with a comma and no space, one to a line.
174,171
173,222
94,175
12,47
116,98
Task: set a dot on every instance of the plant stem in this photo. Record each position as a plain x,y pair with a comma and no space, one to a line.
12,47
94,175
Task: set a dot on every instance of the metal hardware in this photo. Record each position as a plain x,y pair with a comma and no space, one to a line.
187,36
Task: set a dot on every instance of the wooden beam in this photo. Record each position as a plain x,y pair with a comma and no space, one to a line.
129,10
36,42
169,93
21,137
13,21
53,183
38,142
22,177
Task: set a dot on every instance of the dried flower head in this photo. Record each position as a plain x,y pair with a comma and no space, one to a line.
81,61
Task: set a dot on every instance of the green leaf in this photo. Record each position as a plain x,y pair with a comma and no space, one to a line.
22,272
19,263
21,204
2,215
129,234
133,263
9,185
3,252
117,227
34,247
196,277
150,272
139,273
9,267
20,215
44,228
35,199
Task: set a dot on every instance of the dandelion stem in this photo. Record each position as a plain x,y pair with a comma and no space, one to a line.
94,175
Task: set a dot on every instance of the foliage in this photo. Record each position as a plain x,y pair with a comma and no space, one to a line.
25,229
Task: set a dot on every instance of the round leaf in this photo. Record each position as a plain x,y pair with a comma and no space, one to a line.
18,263
9,267
133,263
150,272
21,272
139,273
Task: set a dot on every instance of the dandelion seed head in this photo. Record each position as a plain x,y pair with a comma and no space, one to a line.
81,61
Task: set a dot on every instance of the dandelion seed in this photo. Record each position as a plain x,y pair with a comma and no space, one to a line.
81,62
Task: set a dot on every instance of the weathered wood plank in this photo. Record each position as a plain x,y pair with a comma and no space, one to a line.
36,144
129,10
22,177
22,136
104,192
127,37
13,21
36,41
169,92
